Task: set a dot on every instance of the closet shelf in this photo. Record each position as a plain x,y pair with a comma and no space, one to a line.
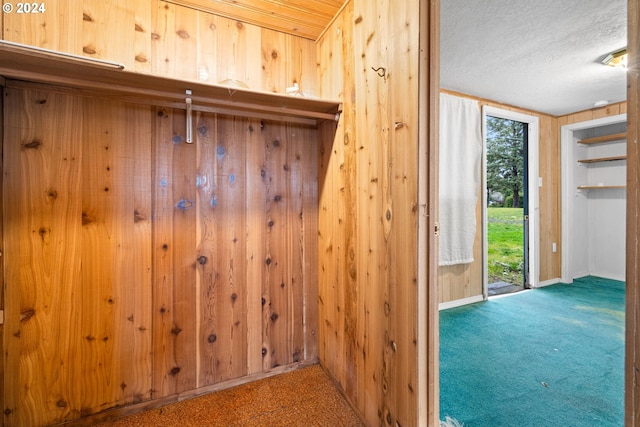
599,187
110,80
604,138
603,159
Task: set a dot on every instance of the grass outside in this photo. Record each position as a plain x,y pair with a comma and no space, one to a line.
506,245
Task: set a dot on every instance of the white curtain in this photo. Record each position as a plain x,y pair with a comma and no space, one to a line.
460,162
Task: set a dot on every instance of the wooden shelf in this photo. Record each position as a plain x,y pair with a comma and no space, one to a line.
101,78
599,187
603,159
604,138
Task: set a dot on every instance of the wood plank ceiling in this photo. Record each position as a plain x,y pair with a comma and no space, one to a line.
303,18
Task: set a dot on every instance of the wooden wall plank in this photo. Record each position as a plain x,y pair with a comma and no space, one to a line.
301,63
185,44
174,257
370,239
273,61
240,46
142,38
41,252
307,146
99,301
99,40
222,189
134,252
331,204
207,52
276,281
549,199
399,215
255,238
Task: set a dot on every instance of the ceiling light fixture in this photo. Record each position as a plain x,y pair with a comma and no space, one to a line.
616,59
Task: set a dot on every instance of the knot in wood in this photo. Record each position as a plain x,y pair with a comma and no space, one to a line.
27,314
212,338
202,260
34,144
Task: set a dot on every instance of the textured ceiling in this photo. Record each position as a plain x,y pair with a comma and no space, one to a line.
542,55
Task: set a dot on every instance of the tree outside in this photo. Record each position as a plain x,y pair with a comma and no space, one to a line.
504,162
505,169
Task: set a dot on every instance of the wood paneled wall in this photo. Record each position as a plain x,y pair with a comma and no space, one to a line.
141,267
161,38
465,281
595,113
368,209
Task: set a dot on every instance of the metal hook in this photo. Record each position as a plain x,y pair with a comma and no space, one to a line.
380,70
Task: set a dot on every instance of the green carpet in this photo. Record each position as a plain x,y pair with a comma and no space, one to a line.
552,356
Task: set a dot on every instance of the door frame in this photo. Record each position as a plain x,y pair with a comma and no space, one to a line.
533,180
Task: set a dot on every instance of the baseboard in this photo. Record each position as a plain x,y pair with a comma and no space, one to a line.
602,276
610,277
548,282
460,302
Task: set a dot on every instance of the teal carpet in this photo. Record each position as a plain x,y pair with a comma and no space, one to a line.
551,356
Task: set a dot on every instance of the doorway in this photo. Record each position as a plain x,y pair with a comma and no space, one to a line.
594,198
509,201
